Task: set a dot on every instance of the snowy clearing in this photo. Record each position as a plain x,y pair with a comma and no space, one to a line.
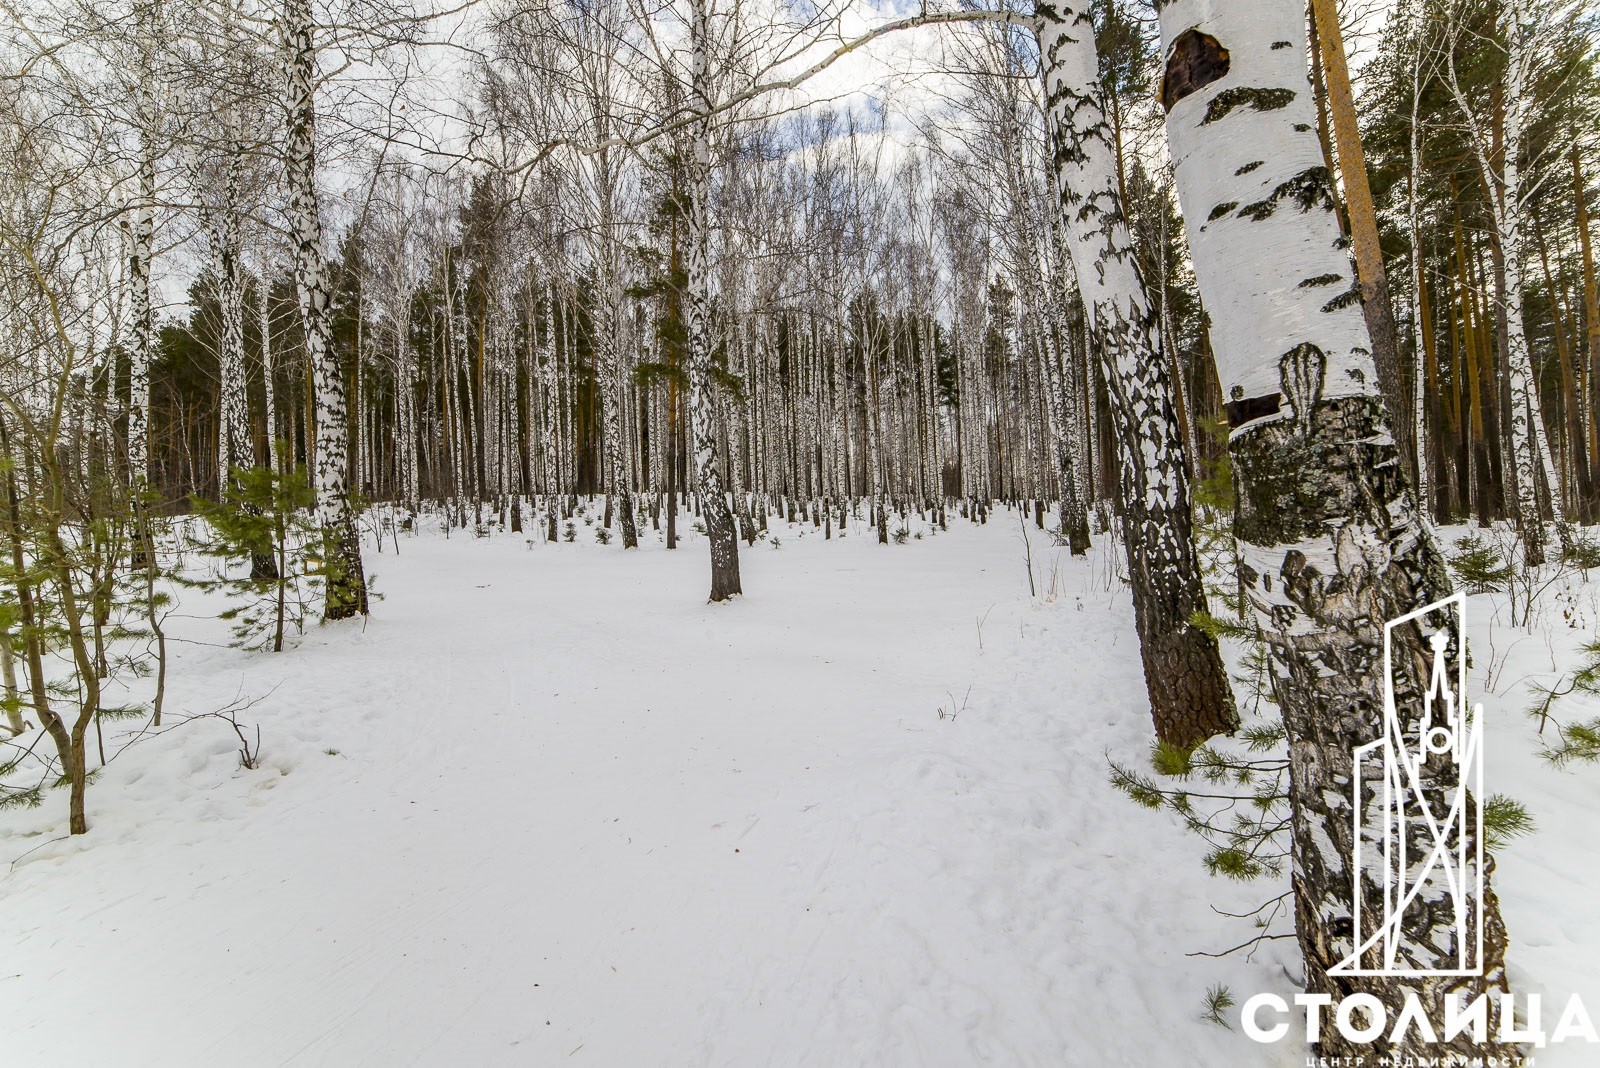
548,807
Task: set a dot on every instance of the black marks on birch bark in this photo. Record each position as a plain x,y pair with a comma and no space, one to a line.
1342,488
1197,59
1310,188
1228,100
1348,298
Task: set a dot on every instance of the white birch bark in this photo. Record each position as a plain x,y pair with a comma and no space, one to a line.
345,581
235,448
702,408
1190,696
1331,543
1530,445
268,373
1419,410
141,238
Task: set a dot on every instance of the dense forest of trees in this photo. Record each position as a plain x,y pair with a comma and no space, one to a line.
1075,254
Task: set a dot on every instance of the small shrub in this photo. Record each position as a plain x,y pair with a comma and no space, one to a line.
264,519
602,535
1480,566
1579,742
1504,818
1582,552
1219,999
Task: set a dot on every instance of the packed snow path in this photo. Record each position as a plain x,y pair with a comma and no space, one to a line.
548,807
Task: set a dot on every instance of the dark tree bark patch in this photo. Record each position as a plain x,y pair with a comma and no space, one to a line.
1197,60
1248,409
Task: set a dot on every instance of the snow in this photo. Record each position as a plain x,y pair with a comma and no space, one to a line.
547,806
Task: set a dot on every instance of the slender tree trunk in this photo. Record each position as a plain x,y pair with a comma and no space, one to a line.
1529,446
1421,325
1589,357
1371,275
1190,698
610,372
268,374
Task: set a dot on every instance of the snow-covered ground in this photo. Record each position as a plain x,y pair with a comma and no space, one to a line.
549,807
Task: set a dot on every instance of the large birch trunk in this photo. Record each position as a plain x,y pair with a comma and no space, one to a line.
720,530
1190,698
1331,542
346,584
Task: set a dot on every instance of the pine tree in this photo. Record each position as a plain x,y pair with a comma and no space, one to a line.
263,514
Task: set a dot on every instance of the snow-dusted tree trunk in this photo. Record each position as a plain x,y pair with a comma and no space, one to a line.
1530,446
605,319
235,448
141,247
1190,698
141,242
1331,543
346,584
720,530
264,327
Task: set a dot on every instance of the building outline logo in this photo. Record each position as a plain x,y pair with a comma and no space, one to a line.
1451,860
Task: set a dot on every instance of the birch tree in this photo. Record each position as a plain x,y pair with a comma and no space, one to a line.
720,529
1190,697
1509,189
1330,539
346,584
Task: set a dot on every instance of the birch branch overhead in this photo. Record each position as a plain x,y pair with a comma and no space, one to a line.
684,117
